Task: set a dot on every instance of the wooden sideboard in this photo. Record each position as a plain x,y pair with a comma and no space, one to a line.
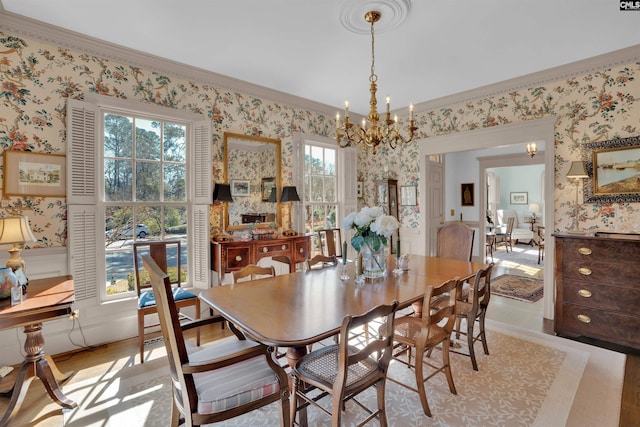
598,287
236,254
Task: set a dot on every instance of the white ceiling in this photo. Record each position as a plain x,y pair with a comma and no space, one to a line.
301,48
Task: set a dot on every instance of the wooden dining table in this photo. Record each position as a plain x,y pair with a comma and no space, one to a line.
304,307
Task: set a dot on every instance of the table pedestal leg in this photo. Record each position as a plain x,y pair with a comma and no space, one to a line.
36,364
294,354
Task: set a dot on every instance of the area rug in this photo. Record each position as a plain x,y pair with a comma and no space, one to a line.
518,287
529,379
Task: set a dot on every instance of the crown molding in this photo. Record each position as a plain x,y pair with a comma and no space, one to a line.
562,72
58,36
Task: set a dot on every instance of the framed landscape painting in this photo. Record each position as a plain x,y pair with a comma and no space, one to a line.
34,174
616,171
519,198
240,187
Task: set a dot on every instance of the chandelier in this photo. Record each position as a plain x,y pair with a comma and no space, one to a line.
377,131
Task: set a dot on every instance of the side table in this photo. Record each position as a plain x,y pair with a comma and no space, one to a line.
46,299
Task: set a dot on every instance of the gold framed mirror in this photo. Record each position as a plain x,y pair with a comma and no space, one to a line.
251,164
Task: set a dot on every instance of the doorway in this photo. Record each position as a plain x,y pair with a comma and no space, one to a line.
541,130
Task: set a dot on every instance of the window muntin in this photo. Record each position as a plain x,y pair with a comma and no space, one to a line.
145,190
321,195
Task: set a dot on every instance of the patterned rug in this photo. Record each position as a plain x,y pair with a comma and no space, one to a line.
530,379
518,287
521,255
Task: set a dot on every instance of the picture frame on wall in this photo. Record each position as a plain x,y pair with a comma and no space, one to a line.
34,174
467,194
240,187
267,185
408,195
519,198
616,171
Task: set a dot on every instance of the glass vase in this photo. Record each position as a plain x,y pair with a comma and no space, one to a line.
374,262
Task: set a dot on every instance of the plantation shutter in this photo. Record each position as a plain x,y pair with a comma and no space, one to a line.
81,198
201,177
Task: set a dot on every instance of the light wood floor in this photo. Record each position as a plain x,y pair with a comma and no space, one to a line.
39,410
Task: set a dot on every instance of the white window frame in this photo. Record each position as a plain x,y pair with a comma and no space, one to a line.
85,190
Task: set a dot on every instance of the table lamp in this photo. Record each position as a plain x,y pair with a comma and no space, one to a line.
15,230
222,194
273,197
289,195
534,208
577,171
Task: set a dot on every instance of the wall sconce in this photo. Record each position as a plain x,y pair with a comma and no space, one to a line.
222,194
289,194
532,149
578,172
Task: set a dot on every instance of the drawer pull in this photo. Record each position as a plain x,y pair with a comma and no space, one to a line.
584,318
238,258
301,250
265,249
584,251
284,247
584,271
584,293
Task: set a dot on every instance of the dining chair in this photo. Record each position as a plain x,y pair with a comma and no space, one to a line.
424,334
474,311
330,242
322,261
540,243
253,271
229,377
342,371
167,255
504,238
453,240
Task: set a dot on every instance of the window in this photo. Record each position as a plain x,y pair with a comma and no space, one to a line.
144,168
137,172
320,183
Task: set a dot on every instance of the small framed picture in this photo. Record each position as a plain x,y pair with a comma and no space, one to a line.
359,190
34,174
519,198
240,187
267,185
467,194
408,195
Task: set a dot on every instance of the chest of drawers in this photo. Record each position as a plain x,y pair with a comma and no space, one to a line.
598,288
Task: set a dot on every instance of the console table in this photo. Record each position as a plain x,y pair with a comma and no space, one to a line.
46,299
236,254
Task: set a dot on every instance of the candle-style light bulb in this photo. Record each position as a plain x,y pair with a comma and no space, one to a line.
388,103
337,120
411,111
346,109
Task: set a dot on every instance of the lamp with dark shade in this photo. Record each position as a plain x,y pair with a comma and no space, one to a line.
289,195
273,197
577,171
222,194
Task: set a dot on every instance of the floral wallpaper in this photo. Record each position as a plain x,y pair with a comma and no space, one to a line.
252,166
36,78
599,106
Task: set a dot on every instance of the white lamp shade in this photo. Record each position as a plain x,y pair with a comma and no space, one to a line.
15,229
534,207
577,170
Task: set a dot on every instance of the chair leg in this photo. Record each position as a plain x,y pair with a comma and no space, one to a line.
197,316
482,333
382,416
420,382
470,342
141,336
445,361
